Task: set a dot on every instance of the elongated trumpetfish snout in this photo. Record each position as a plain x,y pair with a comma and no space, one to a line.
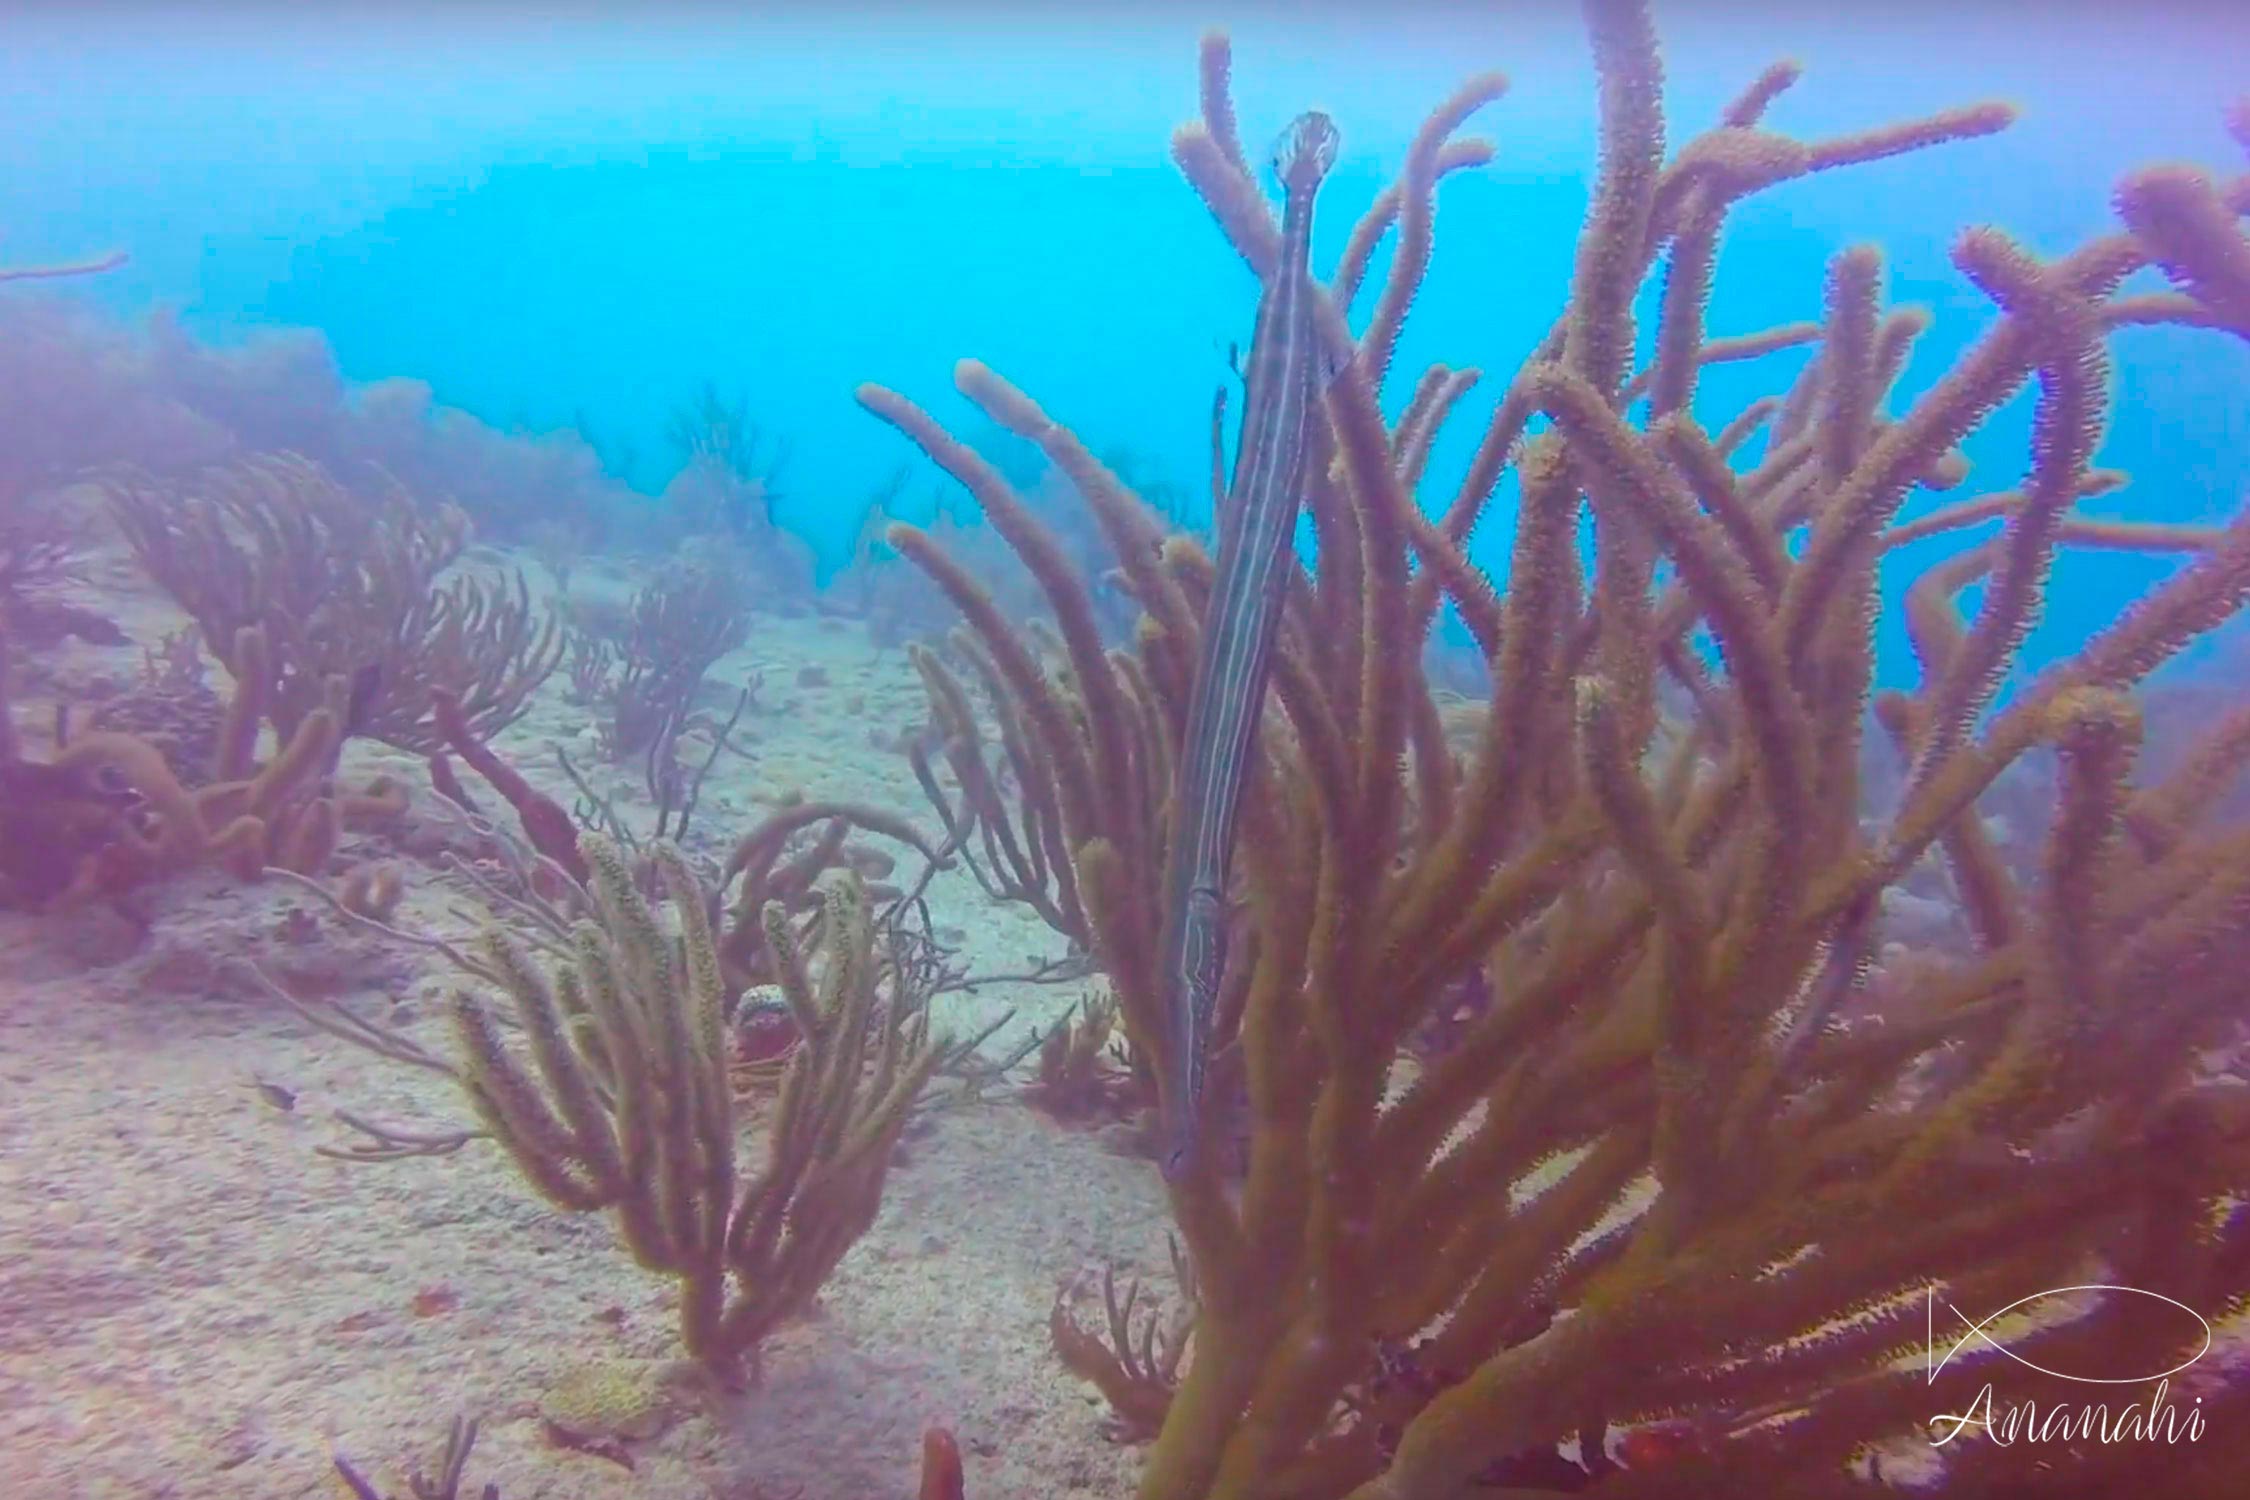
1238,634
1306,151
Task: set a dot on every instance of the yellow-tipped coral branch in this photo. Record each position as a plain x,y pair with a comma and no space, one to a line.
619,1100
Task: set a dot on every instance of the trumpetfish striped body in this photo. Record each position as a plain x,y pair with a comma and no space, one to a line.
1255,543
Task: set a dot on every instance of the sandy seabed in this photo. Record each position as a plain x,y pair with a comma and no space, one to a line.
193,1303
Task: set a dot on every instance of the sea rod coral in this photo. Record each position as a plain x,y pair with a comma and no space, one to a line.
1691,1165
617,1098
107,813
340,586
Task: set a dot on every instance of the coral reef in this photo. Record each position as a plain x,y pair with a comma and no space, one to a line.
899,602
1082,1073
1133,1361
547,827
78,395
1681,1184
107,813
734,477
1608,1043
618,1099
308,592
779,862
776,873
172,705
295,573
39,551
649,668
1025,858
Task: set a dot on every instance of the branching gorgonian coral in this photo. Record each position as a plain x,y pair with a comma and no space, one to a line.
1685,1167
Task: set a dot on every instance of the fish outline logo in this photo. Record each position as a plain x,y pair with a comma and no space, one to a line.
1934,1364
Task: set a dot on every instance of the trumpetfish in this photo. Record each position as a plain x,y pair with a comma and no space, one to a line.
1287,372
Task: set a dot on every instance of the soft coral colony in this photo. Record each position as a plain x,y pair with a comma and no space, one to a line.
1691,1170
1672,1184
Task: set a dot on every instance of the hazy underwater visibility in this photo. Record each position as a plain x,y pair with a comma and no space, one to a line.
754,755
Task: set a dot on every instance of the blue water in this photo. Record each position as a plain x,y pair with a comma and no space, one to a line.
551,221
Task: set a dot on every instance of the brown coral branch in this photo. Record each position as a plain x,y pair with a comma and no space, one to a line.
94,266
550,828
342,590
